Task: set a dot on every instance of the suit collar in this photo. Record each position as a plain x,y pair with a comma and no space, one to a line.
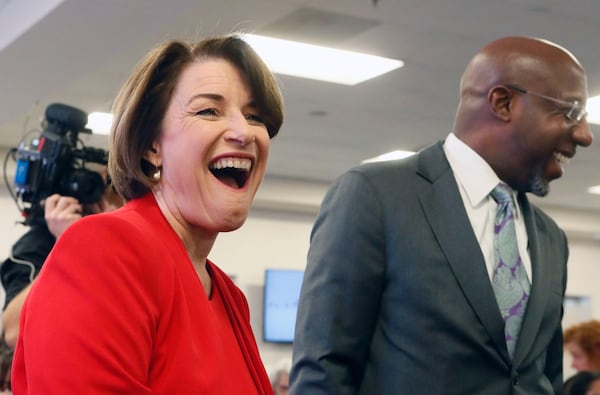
448,219
474,175
540,287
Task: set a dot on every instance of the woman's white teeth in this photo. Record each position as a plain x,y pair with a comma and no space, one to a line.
234,163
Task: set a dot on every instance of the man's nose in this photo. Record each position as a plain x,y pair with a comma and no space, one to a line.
582,134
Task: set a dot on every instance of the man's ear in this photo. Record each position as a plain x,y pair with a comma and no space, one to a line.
500,101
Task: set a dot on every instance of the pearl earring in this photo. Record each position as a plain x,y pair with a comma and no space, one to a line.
156,174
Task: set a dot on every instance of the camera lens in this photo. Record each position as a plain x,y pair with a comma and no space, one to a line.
84,185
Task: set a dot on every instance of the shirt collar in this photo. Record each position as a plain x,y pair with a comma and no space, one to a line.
471,170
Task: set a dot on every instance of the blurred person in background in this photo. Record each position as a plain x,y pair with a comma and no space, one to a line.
583,383
280,376
582,342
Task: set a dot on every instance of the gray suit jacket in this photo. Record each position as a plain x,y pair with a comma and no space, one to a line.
396,298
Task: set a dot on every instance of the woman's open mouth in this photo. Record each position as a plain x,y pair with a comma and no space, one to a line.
231,171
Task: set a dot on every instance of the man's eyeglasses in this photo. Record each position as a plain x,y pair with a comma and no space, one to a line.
575,113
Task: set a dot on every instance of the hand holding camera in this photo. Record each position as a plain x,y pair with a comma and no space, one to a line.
60,212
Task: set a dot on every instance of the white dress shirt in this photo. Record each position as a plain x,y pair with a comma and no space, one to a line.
476,179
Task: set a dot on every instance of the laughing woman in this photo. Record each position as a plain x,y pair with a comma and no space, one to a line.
128,302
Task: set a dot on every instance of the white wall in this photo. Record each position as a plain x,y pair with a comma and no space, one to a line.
267,240
276,235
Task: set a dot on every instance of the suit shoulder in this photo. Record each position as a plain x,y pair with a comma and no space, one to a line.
384,171
112,223
428,164
118,227
546,221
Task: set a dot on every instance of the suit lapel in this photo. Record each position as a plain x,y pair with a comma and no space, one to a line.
445,212
540,286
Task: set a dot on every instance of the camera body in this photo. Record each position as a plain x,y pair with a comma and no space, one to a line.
54,162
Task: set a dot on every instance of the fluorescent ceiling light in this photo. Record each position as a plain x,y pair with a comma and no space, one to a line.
319,63
16,17
594,190
593,109
100,122
389,156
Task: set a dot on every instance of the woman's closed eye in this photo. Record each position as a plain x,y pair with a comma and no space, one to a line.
208,112
255,119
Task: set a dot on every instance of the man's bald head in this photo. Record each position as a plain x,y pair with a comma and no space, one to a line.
514,59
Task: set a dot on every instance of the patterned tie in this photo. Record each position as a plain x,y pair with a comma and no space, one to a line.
509,279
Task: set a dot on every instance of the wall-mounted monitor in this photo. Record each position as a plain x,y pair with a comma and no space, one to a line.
281,293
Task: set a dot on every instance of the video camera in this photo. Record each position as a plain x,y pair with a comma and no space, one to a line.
55,162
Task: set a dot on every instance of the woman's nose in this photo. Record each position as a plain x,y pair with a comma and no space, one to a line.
239,131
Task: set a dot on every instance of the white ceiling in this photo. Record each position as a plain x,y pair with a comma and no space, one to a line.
81,51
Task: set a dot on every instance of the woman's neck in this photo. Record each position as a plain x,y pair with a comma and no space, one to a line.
196,241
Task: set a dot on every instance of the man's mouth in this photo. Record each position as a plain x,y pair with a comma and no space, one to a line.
233,172
562,159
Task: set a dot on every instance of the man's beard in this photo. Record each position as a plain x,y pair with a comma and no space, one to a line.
537,185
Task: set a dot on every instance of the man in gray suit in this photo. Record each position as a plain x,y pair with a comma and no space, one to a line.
399,290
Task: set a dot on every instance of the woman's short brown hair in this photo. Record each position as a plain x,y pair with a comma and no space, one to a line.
142,102
587,336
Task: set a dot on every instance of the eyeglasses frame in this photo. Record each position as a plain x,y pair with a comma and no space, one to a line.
575,109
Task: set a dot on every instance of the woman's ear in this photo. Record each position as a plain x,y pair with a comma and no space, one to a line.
152,155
